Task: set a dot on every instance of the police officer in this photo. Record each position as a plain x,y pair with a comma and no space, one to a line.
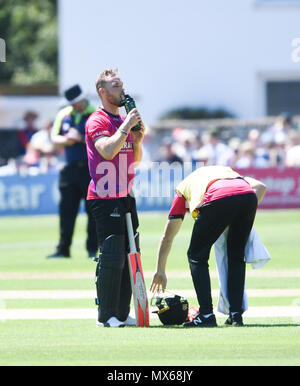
69,132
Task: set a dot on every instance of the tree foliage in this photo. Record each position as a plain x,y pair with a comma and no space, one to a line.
29,29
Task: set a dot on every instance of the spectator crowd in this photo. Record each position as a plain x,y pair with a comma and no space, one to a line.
276,146
36,151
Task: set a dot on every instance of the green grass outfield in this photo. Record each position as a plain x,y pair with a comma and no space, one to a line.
47,311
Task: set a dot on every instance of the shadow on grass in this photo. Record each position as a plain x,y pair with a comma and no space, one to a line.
272,325
159,326
225,326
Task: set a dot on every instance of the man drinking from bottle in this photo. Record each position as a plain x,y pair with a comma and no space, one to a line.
114,150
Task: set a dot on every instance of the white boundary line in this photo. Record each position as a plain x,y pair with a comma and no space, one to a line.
91,313
91,294
147,274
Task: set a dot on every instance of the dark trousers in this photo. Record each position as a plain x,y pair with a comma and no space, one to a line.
73,185
109,216
237,213
112,277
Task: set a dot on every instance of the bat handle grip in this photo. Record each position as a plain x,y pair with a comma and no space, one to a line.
132,245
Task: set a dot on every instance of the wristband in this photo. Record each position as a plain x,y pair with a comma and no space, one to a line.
123,132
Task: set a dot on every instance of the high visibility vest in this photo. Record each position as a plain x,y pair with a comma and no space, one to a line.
194,186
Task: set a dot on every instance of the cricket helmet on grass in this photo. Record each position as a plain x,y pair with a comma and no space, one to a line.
171,309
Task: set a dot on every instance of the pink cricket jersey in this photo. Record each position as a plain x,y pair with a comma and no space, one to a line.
110,179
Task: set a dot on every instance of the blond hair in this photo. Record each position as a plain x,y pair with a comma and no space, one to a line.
103,77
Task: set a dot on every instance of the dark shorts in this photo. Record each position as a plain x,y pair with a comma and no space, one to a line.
110,217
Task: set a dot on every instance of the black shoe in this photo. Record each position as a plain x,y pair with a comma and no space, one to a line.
235,320
201,321
59,255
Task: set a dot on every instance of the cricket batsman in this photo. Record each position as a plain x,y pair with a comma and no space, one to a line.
114,150
217,197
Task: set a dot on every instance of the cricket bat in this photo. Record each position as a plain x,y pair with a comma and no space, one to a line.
138,286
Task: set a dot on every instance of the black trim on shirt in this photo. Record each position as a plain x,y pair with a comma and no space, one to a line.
112,115
174,216
100,136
